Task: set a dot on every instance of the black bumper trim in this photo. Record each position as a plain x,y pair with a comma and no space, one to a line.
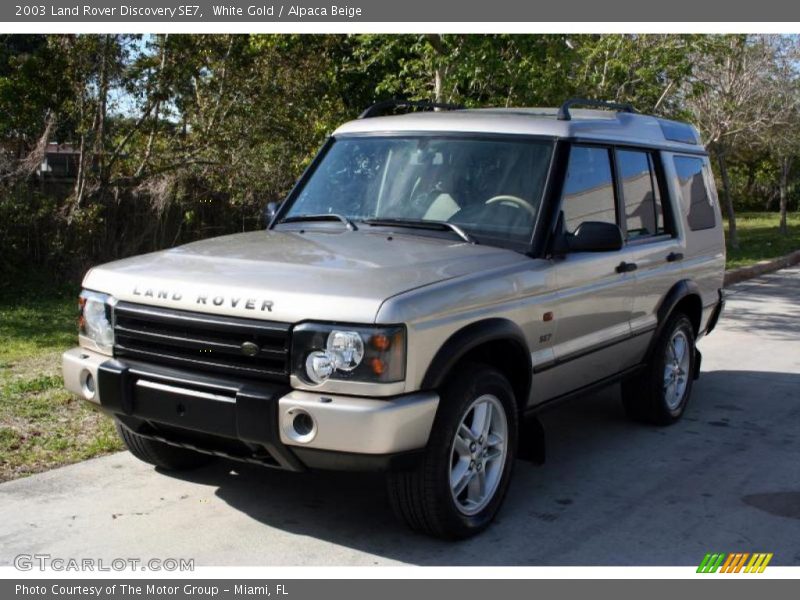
252,456
328,460
247,412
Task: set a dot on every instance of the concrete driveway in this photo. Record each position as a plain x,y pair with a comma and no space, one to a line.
725,479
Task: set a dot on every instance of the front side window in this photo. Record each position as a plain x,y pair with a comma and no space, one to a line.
490,188
644,215
588,188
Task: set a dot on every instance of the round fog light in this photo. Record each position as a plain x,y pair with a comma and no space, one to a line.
88,385
303,424
298,425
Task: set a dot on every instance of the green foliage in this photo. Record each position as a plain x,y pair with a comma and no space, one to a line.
760,239
42,425
32,82
522,70
187,136
36,317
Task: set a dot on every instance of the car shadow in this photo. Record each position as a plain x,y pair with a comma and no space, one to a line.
598,483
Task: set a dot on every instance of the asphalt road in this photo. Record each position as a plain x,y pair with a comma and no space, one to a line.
725,479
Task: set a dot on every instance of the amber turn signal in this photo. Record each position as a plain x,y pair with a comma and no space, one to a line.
381,342
377,366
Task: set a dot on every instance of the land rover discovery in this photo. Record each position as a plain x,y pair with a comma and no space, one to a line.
433,281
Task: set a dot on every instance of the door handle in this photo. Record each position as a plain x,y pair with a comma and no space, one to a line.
674,256
626,267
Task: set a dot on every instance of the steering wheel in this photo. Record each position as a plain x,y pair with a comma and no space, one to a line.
515,201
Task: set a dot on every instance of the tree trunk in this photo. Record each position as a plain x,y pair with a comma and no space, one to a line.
102,110
80,177
786,167
158,92
439,69
750,186
733,239
438,84
770,199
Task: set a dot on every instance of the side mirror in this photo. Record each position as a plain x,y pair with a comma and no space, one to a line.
594,236
270,210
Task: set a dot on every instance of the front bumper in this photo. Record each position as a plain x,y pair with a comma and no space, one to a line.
262,422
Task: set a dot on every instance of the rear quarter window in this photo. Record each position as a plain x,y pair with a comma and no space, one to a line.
698,203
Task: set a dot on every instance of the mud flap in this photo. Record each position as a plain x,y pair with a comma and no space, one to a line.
531,441
698,360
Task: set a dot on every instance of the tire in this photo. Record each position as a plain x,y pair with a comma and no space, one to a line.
423,497
160,454
647,397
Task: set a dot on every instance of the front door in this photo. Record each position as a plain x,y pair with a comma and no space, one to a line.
592,339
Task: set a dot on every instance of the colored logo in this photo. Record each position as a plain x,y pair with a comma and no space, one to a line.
735,562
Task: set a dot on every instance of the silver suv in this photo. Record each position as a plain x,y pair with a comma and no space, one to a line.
434,279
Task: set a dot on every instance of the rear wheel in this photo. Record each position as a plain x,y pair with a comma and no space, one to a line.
659,395
458,487
160,454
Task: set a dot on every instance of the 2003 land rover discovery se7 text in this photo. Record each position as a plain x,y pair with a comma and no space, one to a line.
433,280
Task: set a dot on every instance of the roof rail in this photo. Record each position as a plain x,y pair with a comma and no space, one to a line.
563,112
380,107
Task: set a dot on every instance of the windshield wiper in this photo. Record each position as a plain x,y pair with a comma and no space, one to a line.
422,224
321,217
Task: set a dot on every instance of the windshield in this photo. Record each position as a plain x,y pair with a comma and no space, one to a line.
489,188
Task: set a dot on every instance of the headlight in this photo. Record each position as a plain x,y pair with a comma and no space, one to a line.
368,354
94,320
346,348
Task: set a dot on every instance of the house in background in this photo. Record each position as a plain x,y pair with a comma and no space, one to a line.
60,160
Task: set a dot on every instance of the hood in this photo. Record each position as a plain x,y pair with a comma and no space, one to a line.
290,276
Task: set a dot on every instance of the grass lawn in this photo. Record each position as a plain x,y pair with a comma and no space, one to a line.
759,238
41,424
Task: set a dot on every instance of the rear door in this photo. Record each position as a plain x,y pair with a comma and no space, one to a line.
651,234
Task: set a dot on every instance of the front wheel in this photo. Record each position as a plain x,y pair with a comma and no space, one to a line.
659,395
459,485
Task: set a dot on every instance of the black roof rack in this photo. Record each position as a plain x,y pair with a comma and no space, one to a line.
563,112
380,108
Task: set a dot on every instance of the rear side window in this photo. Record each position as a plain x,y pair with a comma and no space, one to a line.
691,176
588,188
644,215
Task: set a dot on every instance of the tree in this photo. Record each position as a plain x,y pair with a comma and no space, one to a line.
784,135
184,136
475,70
731,97
644,70
32,92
